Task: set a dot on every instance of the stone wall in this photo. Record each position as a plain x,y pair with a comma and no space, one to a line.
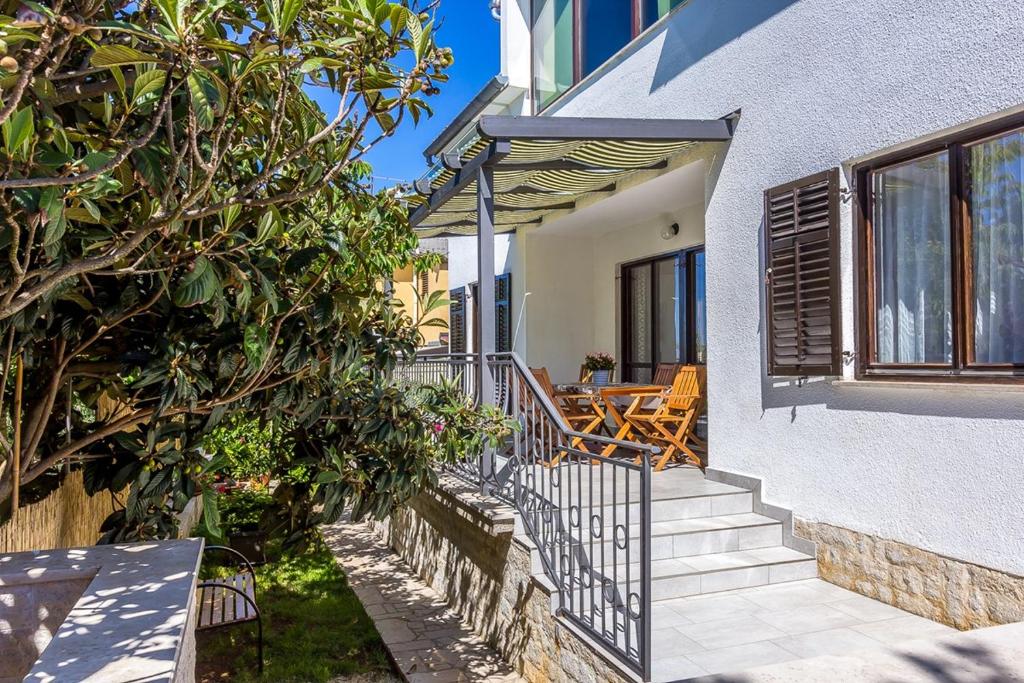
940,588
465,548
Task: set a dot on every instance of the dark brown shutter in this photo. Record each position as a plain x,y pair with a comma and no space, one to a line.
802,278
457,321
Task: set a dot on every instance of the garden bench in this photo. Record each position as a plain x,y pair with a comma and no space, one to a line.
230,600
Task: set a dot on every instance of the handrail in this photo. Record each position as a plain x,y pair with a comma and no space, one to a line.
553,414
580,508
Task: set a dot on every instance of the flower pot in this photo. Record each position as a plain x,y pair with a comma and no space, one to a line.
601,377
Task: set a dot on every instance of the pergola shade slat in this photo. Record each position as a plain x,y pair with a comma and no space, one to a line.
545,164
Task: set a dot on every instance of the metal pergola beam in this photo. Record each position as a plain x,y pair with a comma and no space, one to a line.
572,128
573,165
507,207
463,178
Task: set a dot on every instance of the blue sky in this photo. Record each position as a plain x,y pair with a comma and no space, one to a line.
467,28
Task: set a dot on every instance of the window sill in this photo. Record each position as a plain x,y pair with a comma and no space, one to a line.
960,387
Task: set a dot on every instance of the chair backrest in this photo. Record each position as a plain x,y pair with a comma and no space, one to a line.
689,388
665,374
585,374
544,380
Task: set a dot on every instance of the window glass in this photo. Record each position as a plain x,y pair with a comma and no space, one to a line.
669,303
607,26
913,291
552,48
656,9
700,313
997,248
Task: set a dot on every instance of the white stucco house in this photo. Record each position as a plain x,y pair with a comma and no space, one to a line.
844,253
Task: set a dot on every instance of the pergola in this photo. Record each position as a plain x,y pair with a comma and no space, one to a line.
516,170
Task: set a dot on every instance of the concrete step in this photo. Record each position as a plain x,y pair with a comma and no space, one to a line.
714,572
695,536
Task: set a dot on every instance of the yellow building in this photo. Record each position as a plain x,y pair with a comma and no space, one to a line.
412,289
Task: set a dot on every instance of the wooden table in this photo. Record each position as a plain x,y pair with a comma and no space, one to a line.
611,391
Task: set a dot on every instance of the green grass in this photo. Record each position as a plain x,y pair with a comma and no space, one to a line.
315,628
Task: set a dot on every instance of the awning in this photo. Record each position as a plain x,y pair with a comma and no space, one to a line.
537,165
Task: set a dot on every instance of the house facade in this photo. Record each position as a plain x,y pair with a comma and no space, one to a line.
891,424
821,204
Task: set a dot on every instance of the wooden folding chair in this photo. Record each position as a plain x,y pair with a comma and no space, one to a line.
672,424
671,420
580,411
643,397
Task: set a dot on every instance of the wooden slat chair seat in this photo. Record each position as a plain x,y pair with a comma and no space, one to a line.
230,600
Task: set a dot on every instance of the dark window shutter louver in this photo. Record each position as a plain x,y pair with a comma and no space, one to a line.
457,321
503,313
802,276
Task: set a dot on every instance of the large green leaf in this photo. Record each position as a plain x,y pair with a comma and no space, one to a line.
199,286
148,83
197,87
18,129
289,11
119,55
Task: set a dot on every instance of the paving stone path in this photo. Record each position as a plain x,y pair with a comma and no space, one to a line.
427,640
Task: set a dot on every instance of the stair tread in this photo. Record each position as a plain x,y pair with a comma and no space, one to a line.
675,527
714,562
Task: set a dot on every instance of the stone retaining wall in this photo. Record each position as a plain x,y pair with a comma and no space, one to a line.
940,588
464,547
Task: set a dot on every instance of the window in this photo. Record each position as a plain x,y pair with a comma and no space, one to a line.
572,38
553,66
802,276
942,245
656,9
606,26
664,313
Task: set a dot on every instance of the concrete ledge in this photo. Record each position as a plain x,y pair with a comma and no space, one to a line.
133,622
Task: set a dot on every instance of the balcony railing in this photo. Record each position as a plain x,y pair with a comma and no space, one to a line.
589,515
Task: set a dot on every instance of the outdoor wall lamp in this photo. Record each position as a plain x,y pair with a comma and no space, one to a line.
670,231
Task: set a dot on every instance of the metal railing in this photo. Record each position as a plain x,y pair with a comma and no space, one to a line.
588,514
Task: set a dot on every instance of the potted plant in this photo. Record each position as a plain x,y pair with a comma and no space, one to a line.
600,365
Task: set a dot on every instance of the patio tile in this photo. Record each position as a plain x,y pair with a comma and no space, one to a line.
907,627
672,640
785,596
663,616
741,657
808,618
735,630
866,609
704,608
832,642
674,669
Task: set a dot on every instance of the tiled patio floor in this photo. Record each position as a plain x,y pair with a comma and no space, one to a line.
751,627
427,640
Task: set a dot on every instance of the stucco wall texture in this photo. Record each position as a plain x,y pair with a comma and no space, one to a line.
824,83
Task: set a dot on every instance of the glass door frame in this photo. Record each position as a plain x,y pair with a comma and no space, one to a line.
686,270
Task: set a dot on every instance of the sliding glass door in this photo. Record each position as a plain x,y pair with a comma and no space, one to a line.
664,313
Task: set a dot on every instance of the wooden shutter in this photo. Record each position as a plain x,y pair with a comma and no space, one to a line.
457,321
503,313
802,278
